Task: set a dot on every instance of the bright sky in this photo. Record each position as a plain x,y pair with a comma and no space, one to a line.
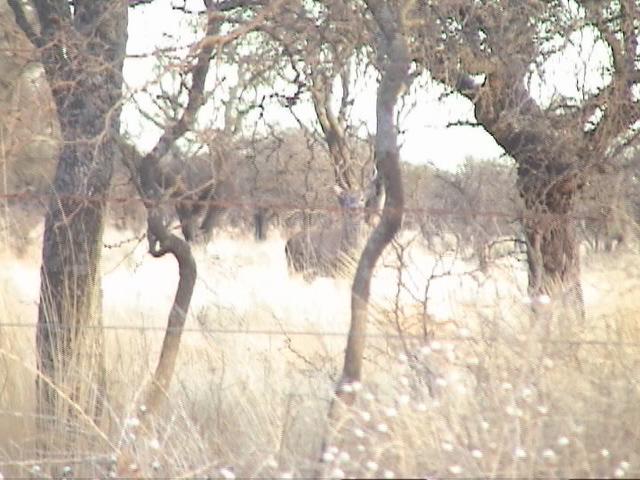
427,138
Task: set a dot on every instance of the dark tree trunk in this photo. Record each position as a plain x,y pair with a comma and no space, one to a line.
82,52
550,174
260,224
552,247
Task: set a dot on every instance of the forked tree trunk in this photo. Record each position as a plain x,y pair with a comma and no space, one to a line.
82,52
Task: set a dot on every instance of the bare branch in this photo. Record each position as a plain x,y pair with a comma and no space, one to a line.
23,22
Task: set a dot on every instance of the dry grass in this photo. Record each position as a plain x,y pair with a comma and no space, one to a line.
484,395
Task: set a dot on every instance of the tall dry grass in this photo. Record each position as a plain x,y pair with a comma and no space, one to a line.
457,385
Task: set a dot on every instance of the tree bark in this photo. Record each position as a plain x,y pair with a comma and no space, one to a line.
82,52
549,176
553,260
394,55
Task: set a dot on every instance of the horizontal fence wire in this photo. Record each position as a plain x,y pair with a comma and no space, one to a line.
29,196
334,333
519,214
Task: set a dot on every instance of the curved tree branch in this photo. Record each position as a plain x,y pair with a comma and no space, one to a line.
394,54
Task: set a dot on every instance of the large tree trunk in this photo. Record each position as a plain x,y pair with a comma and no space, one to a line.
550,174
552,247
82,52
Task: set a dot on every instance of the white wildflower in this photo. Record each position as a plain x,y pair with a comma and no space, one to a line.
446,446
544,299
132,422
391,412
455,469
328,457
520,453
346,387
344,457
388,474
382,427
604,452
475,453
227,474
563,441
337,473
371,466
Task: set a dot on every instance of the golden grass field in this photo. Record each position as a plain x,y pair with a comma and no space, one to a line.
484,395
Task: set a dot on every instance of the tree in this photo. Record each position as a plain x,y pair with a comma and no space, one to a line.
486,51
393,63
81,46
324,54
158,185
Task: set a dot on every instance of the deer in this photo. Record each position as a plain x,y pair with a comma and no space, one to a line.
322,251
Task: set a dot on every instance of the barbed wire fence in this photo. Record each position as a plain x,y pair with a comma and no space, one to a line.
426,355
334,212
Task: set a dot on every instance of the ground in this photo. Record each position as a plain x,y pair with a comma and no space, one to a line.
483,394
